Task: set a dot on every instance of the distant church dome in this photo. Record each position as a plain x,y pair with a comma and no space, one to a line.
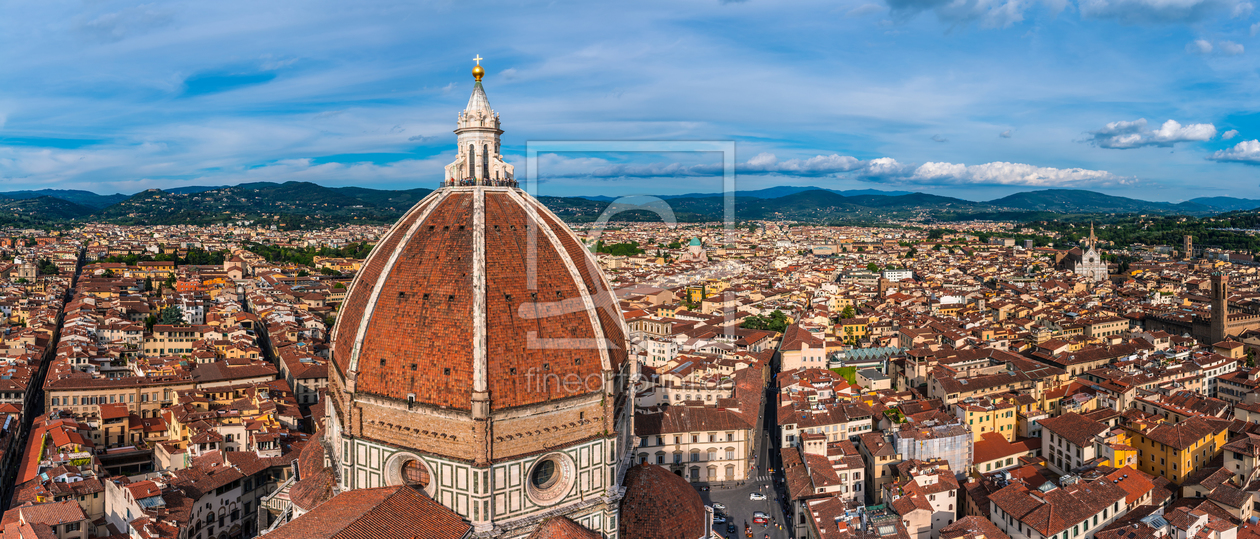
480,355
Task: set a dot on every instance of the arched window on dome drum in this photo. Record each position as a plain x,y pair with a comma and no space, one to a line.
472,161
485,161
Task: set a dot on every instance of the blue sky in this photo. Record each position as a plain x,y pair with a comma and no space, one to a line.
1154,99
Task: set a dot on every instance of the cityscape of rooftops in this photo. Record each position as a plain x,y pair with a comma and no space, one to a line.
718,269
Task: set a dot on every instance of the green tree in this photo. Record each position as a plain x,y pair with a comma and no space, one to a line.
619,249
329,271
847,313
149,321
872,267
303,273
171,315
776,321
46,267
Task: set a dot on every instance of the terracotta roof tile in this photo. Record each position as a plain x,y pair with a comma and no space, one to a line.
376,513
660,505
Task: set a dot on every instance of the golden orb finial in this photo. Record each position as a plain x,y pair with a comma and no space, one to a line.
478,71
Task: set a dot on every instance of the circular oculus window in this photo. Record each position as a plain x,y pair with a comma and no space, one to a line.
550,478
408,469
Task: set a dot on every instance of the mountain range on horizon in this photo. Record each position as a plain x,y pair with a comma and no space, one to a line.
311,204
96,200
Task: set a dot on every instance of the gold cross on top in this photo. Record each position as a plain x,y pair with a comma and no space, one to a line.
478,59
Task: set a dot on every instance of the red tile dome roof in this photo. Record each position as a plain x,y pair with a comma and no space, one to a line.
311,458
660,505
312,491
448,304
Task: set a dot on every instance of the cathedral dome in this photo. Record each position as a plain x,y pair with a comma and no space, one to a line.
480,355
448,305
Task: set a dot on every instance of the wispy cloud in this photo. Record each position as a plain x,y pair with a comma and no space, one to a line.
1004,13
1230,48
865,9
117,25
1199,46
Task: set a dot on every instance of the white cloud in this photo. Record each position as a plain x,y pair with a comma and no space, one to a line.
1255,29
879,170
1230,48
552,165
1227,48
996,173
1126,135
1247,151
1242,10
1005,134
938,138
817,165
1229,134
1199,46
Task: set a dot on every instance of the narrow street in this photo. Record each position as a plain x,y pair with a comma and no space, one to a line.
739,506
35,398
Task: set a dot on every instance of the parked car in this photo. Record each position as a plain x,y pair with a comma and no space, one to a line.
756,496
718,519
730,527
719,507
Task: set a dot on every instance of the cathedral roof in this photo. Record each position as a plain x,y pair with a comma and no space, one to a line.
382,513
560,527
